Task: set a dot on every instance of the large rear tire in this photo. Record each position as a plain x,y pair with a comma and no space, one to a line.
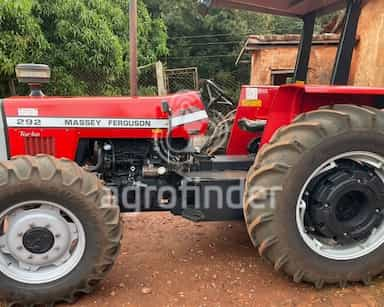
60,231
313,200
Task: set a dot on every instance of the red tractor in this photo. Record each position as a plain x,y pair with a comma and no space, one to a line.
304,165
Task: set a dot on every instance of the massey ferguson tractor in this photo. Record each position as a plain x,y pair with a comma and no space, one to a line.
303,164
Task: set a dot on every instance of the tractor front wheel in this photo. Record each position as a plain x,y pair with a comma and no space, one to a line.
314,200
59,231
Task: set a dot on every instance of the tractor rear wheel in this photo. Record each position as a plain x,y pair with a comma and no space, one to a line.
59,231
314,200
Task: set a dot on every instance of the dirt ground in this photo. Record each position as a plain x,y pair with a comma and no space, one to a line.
168,261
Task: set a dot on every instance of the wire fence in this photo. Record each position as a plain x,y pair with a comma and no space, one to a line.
147,80
180,79
153,79
174,80
229,83
171,80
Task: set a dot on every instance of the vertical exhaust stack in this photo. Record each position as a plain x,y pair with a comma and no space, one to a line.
34,75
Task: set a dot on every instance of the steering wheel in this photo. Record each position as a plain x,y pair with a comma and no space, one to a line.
217,95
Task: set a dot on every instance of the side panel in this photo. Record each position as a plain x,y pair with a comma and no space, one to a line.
293,100
254,103
3,136
280,105
61,143
54,125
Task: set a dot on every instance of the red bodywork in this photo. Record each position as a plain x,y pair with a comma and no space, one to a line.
26,135
280,105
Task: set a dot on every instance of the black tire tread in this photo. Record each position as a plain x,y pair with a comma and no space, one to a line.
286,147
42,168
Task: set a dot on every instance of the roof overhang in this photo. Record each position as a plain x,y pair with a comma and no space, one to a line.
295,8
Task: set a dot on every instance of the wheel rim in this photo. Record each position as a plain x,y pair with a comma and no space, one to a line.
40,242
327,247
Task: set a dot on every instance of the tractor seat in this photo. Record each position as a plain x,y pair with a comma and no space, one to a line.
252,125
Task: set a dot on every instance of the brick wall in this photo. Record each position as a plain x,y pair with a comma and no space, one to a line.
284,58
368,59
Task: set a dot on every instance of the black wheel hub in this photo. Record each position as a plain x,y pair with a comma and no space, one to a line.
346,203
38,240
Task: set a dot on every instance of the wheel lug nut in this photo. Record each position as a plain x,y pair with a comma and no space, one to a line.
19,234
57,235
326,206
30,257
45,257
32,225
19,248
57,248
345,234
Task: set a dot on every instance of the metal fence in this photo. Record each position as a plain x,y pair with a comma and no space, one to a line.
153,80
179,79
147,80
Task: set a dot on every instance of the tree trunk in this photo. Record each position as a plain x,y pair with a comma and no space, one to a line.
12,87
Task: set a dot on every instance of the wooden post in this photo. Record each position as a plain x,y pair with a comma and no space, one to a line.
12,87
162,91
133,46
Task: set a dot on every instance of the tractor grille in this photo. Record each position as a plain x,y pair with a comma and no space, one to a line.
40,145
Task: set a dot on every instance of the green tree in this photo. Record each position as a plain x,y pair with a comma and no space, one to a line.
212,43
21,39
82,43
86,42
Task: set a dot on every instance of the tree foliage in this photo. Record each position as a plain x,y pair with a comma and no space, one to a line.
21,38
86,42
212,43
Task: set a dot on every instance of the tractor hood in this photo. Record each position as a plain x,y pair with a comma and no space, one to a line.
63,121
296,8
